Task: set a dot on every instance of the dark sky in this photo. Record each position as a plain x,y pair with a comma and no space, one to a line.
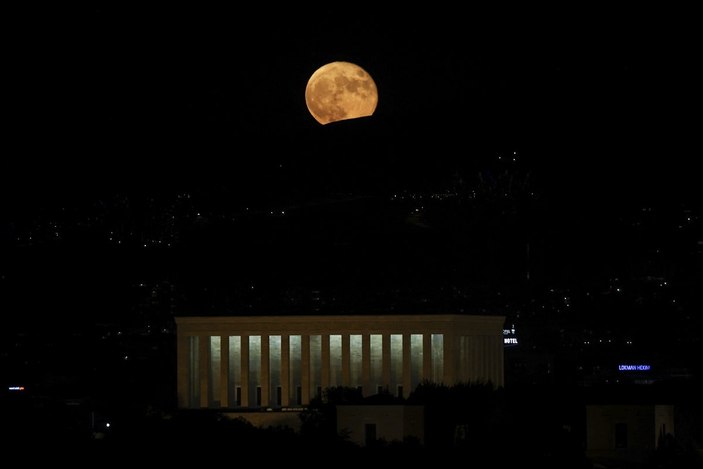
603,103
600,108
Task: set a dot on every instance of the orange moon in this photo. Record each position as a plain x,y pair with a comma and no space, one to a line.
340,91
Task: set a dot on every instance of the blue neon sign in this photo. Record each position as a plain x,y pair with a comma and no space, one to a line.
634,367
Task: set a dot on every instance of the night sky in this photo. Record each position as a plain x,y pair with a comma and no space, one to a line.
100,100
164,160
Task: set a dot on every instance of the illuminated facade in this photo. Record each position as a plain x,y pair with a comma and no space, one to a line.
284,361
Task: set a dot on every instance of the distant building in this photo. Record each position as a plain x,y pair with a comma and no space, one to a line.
280,362
367,424
627,433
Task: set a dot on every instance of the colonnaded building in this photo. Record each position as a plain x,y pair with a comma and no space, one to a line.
240,362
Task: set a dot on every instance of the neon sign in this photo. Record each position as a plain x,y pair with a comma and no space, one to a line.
634,367
509,336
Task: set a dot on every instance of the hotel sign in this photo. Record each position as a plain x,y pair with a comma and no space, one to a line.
509,338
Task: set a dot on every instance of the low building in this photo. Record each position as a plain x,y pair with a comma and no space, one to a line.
626,432
368,424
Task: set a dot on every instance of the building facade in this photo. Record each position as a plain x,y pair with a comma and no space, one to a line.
241,362
628,433
364,425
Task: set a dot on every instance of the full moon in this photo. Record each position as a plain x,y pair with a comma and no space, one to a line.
339,91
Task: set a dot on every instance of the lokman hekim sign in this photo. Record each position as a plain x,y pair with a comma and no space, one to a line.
634,367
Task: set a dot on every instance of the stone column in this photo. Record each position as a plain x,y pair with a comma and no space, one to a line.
265,371
366,365
484,362
204,366
305,368
325,362
426,356
346,379
244,380
224,371
472,357
285,370
496,361
449,362
183,371
407,371
386,350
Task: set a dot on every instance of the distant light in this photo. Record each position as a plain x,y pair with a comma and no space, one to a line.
15,388
107,425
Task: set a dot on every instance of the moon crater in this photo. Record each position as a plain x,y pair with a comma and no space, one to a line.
339,91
